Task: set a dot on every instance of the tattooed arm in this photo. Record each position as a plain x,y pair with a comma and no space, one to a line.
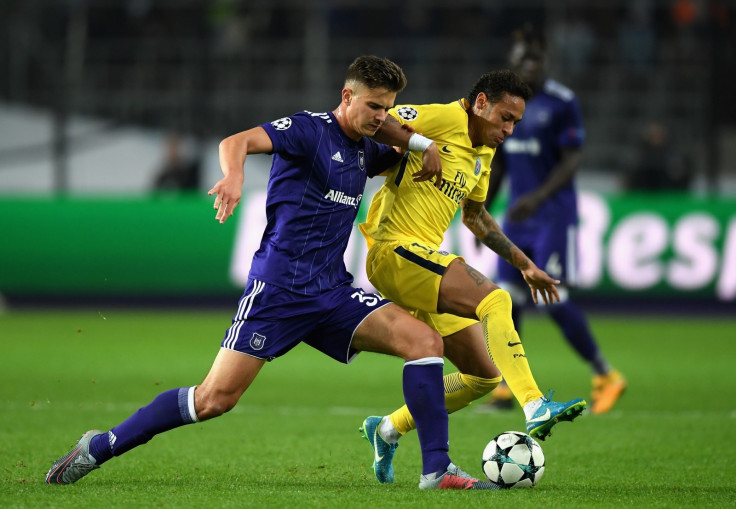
477,219
485,228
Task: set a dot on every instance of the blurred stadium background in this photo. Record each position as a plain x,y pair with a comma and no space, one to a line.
111,112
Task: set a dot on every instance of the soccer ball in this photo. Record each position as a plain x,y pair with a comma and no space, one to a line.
513,460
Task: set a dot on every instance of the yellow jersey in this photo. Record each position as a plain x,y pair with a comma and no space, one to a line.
404,209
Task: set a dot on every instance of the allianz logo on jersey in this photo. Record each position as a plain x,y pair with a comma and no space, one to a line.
340,197
530,146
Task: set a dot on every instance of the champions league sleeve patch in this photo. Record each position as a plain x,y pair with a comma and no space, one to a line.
282,124
407,113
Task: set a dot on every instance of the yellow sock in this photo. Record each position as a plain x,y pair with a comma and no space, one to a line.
460,391
504,345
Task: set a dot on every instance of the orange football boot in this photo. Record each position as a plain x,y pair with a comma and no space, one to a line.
607,389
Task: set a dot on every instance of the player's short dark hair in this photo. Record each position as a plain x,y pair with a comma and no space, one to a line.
527,44
376,72
496,84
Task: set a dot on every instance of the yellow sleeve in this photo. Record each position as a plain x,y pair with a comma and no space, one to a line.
480,191
434,121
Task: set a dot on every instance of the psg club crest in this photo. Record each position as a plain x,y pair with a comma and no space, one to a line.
282,124
407,113
477,166
257,341
361,159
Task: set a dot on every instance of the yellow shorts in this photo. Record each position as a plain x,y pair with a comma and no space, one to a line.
409,274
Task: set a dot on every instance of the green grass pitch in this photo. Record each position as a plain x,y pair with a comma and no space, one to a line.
293,439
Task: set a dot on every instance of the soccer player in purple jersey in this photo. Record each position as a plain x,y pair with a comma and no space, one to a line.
299,289
541,158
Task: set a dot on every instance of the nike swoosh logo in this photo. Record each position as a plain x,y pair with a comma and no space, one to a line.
375,446
544,417
513,344
446,150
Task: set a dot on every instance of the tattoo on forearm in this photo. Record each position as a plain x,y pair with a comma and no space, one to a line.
474,274
506,249
483,226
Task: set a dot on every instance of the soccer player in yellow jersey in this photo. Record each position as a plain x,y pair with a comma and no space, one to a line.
404,228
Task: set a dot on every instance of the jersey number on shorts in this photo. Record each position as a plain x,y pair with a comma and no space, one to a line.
369,299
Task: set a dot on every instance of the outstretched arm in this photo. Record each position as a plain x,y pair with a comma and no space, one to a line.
393,133
477,219
233,151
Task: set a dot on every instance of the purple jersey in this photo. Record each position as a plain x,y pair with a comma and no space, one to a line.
316,184
552,122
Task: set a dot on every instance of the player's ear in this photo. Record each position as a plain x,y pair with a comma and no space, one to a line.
481,101
347,95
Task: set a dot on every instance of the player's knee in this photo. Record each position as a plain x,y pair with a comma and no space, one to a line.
428,343
209,405
435,345
503,296
500,300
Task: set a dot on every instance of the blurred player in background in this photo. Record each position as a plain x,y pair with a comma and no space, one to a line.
541,159
404,228
298,287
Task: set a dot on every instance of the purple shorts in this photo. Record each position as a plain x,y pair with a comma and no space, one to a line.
270,321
